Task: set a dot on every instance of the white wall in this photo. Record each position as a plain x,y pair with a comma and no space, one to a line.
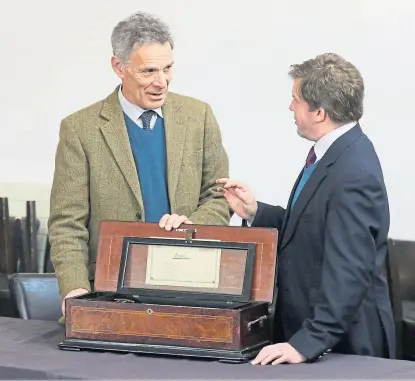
55,59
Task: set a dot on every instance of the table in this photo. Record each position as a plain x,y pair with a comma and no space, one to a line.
28,350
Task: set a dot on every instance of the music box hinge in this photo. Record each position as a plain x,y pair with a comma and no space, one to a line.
188,234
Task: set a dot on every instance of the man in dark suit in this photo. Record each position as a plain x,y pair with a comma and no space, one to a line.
332,290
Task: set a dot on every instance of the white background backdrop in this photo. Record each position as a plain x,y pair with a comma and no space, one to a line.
55,59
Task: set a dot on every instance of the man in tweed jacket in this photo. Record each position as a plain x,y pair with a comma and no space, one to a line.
102,167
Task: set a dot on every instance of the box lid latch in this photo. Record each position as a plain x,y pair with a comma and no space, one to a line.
188,234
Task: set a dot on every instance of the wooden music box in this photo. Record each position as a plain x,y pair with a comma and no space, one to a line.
199,291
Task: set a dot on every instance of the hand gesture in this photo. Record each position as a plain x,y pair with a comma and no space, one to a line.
239,197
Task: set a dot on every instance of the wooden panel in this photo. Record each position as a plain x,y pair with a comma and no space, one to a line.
257,333
112,234
153,324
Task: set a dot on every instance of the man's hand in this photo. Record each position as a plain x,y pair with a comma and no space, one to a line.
278,354
239,197
71,294
170,221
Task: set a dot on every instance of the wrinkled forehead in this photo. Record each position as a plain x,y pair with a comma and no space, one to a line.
157,55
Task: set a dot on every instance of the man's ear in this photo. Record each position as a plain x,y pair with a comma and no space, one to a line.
117,67
320,115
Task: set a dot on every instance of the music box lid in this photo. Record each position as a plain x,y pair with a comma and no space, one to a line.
194,261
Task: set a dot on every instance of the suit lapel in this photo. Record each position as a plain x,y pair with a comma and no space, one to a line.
175,127
116,136
310,187
320,172
288,210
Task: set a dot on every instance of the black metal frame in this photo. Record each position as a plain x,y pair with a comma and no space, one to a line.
244,297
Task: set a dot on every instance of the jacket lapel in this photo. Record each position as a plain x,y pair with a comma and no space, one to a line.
116,136
175,127
288,210
304,197
320,172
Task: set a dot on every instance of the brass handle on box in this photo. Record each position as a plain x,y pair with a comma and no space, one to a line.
260,321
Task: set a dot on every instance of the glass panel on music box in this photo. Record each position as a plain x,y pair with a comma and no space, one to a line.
211,270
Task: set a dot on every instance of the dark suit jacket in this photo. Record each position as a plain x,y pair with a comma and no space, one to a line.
332,289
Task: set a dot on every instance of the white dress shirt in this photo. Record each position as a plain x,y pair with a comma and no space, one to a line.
324,143
134,112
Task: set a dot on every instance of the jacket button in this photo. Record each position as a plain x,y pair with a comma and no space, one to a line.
138,215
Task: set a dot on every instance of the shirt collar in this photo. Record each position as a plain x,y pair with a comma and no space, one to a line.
133,111
324,143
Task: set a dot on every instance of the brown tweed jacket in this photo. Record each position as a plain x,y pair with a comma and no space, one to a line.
95,178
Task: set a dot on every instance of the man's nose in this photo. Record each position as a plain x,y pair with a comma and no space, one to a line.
160,80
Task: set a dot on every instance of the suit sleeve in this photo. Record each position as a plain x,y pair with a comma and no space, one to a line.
213,208
69,213
268,216
353,218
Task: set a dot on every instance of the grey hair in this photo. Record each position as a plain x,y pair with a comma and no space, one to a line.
332,83
137,30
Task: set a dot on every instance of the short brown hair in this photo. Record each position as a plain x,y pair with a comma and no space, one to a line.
332,83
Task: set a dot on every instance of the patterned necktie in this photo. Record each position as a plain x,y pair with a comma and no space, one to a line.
146,118
311,158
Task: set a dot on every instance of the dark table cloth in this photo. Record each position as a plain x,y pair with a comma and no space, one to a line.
28,350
